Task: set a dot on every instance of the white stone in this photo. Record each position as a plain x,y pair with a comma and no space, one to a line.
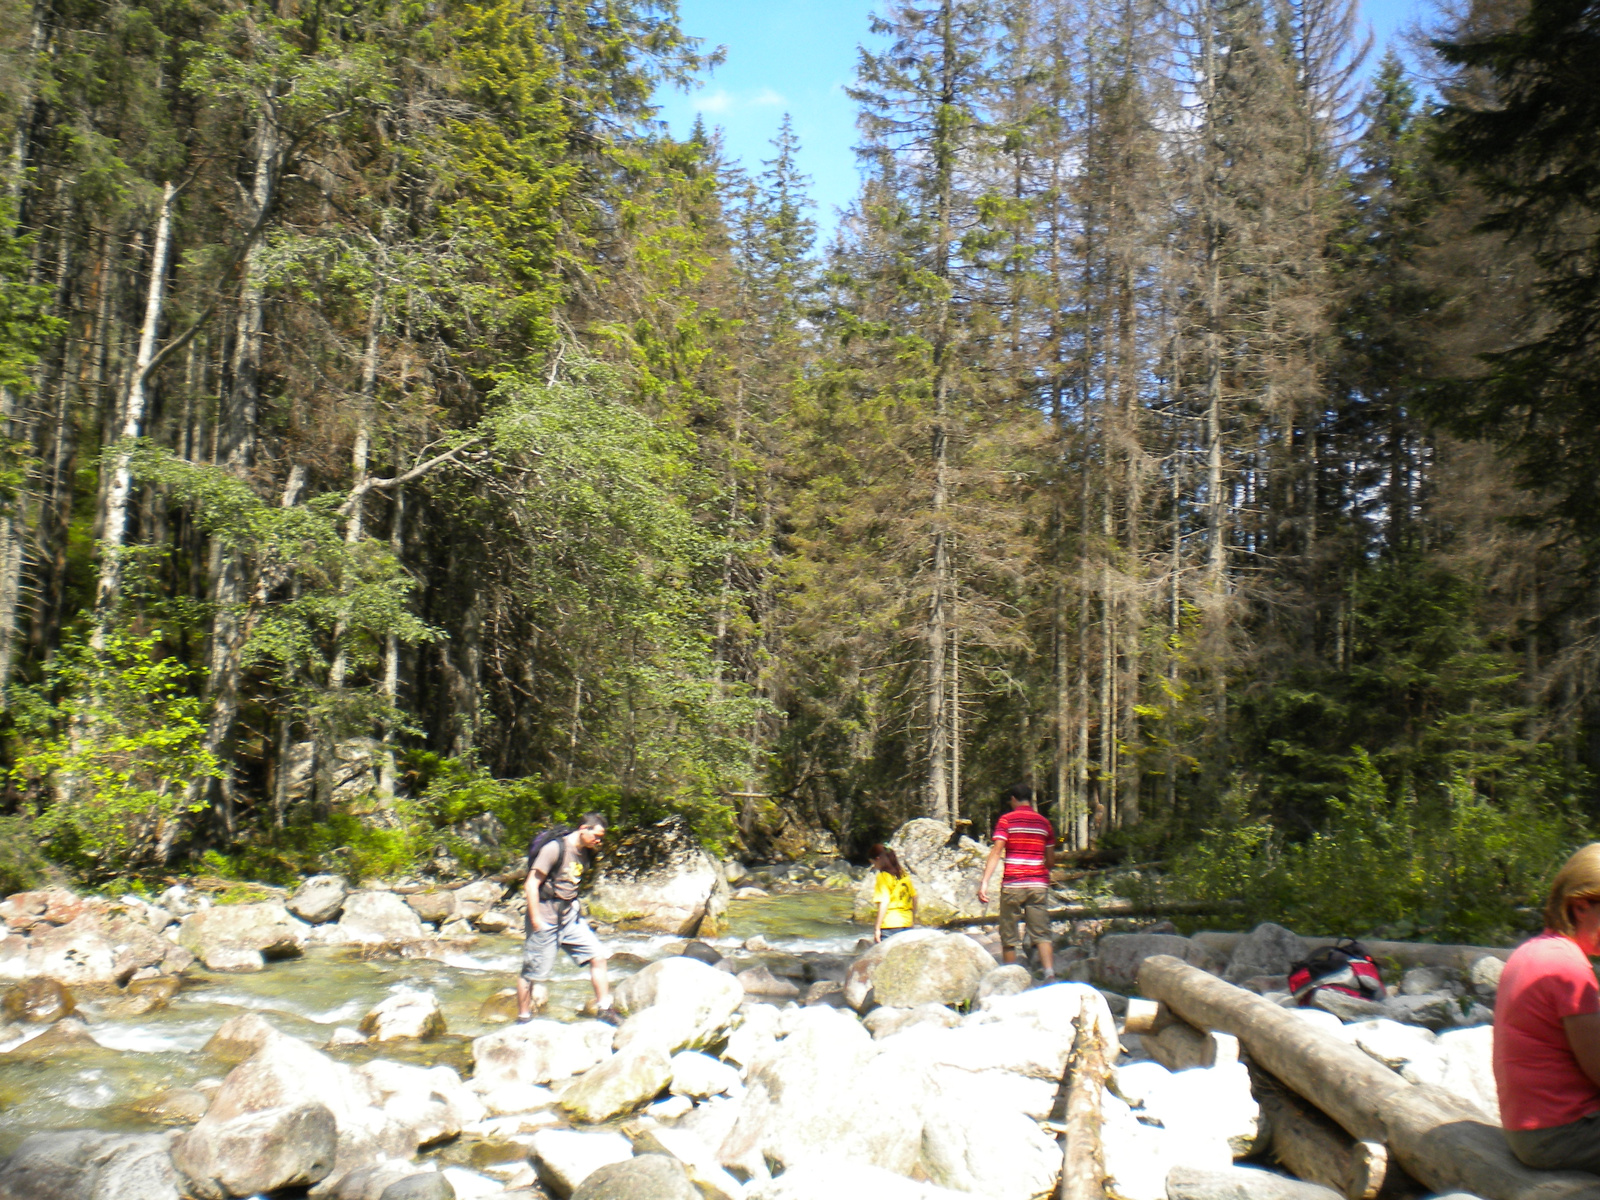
670,1108
1322,1020
700,1076
404,1016
987,1150
1391,1043
1468,1072
1484,975
539,1052
564,1158
677,1004
377,918
833,1178
469,1185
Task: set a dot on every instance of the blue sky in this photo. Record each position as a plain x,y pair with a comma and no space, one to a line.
797,56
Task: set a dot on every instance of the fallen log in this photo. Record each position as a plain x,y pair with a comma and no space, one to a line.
1113,908
1406,954
1083,1167
1315,1149
1442,1141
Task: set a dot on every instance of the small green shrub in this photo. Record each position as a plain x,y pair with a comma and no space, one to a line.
22,863
1382,865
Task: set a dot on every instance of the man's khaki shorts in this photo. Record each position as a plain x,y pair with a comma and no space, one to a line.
1574,1147
1031,905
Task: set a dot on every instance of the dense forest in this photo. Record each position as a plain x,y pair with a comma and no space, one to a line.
1195,416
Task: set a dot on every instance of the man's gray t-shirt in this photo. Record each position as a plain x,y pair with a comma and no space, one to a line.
563,886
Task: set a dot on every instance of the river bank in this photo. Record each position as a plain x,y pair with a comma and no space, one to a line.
783,1056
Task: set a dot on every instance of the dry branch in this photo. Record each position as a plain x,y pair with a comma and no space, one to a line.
1083,1170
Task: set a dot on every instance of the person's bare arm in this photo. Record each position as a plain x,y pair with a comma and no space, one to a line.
530,889
877,928
995,853
1583,1035
1049,857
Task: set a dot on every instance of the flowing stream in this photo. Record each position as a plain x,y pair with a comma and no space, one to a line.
137,1058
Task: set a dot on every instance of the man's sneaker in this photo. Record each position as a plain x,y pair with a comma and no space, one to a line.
609,1015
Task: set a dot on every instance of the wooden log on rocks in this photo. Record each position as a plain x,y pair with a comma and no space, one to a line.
1440,1140
1305,1141
1083,1167
1407,954
1112,908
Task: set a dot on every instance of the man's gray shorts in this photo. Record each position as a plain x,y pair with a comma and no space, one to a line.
573,935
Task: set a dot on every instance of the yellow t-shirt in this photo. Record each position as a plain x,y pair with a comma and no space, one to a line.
901,895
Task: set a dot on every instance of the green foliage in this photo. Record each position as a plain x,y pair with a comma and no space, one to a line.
23,865
1391,867
1418,690
108,745
25,320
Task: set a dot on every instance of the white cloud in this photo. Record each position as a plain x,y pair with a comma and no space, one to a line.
721,101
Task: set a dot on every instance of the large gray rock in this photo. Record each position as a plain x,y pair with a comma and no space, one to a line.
1484,976
677,1004
884,1022
539,1052
858,976
1004,981
986,1148
475,899
288,1146
1434,1011
286,1073
37,1001
404,1016
564,1158
424,1185
1351,1008
1468,1067
645,1177
84,1164
267,929
1268,949
1118,956
233,960
760,981
319,898
660,880
943,970
700,1076
821,1091
619,1085
378,918
944,870
430,1102
1241,1183
238,1038
100,946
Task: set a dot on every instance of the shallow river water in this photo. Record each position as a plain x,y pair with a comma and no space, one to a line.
137,1058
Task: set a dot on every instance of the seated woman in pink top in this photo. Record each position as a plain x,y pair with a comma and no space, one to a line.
1547,1029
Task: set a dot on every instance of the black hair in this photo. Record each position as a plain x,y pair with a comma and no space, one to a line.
1020,792
590,820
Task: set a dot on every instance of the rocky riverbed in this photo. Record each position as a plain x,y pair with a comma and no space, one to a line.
356,1043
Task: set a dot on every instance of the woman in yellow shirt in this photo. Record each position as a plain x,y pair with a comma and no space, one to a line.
895,895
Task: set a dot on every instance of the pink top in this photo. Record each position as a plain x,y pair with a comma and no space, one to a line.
1540,1083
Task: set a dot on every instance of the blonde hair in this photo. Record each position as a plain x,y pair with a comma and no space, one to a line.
1578,879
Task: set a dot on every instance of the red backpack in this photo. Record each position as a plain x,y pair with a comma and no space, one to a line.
1344,967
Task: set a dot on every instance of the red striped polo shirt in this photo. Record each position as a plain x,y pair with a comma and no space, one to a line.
1026,833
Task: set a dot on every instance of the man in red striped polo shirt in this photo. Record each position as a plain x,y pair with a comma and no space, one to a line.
1028,841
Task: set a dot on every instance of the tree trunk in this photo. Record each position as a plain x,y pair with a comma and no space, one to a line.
1083,1167
134,410
1444,1142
